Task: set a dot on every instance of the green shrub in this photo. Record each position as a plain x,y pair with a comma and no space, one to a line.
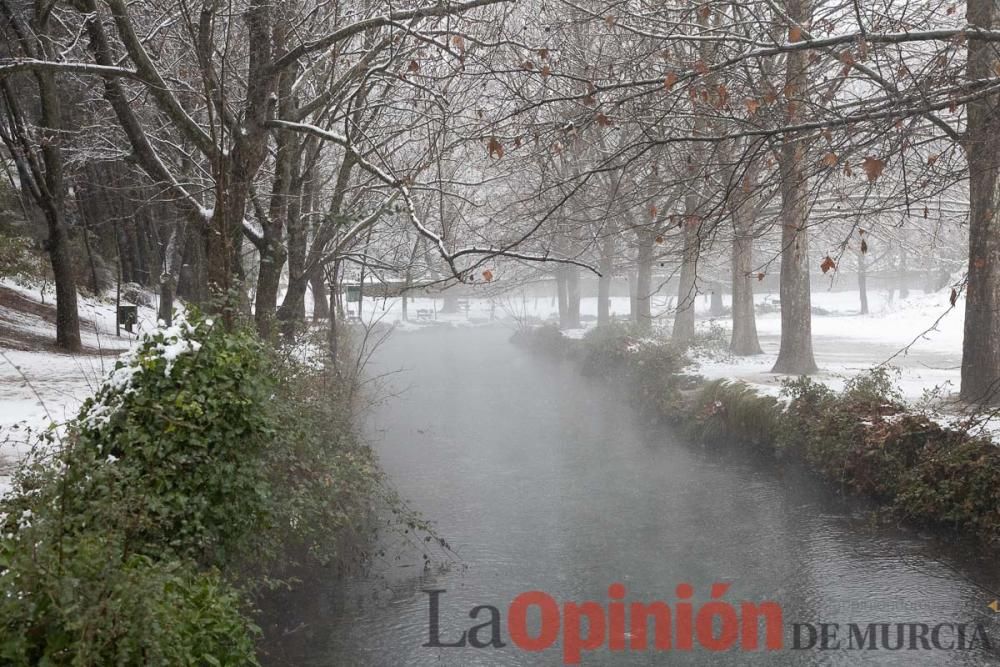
203,452
840,435
655,370
546,338
323,477
184,421
955,481
81,602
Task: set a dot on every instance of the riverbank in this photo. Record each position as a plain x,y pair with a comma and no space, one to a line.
864,439
206,470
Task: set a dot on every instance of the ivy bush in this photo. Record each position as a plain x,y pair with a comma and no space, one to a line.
204,461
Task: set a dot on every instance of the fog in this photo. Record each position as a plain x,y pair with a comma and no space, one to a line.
544,480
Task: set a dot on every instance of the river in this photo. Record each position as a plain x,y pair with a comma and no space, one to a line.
544,480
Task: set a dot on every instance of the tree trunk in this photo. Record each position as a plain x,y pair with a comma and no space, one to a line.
904,281
644,282
321,305
45,180
744,340
561,298
169,275
272,259
573,296
604,282
863,282
687,288
796,354
633,278
716,307
981,344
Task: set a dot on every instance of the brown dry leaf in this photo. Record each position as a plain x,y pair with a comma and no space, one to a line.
659,240
671,79
609,19
827,264
931,159
546,71
527,65
830,159
459,42
954,296
602,120
488,275
873,168
652,210
760,277
795,34
722,96
589,101
495,148
543,54
864,246
752,106
700,67
704,11
414,66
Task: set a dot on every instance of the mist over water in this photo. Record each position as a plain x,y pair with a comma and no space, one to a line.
542,479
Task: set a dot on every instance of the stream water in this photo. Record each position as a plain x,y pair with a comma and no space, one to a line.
544,480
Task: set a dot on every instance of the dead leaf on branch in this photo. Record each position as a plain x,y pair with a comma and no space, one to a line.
495,148
873,168
827,264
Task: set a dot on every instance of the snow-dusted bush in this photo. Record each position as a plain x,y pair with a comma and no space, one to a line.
203,450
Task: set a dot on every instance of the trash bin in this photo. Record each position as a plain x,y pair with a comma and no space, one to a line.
128,317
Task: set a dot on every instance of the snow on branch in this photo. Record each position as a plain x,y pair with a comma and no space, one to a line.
411,212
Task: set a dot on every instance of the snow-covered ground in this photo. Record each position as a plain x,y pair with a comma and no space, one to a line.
39,385
920,335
